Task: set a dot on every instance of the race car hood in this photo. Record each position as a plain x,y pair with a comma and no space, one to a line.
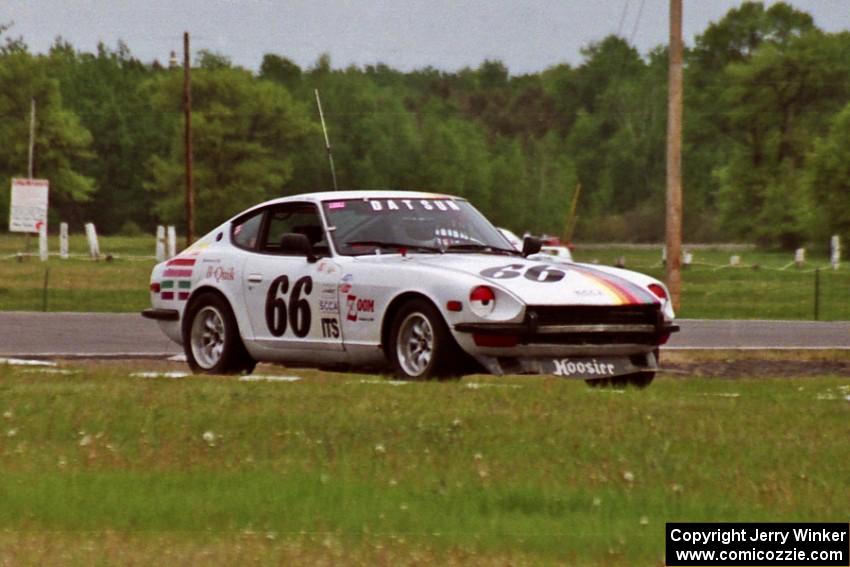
540,281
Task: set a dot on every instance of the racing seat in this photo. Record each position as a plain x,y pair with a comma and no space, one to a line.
315,235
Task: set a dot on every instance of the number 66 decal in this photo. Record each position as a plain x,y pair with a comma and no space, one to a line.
541,273
298,310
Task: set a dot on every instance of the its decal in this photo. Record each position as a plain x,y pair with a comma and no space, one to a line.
566,367
503,272
326,267
179,270
620,290
345,286
175,289
588,292
219,273
387,205
543,273
360,309
330,328
296,313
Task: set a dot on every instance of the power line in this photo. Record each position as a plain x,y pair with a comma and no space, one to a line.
637,22
623,18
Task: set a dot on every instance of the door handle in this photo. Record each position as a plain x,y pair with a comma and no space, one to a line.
255,278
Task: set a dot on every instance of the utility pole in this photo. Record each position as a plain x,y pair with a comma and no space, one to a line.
674,157
187,140
32,138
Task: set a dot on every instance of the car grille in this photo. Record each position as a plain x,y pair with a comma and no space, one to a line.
593,324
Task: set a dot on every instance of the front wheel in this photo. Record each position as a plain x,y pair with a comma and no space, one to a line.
421,346
211,338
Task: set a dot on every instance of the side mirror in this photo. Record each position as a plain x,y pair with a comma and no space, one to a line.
294,244
531,245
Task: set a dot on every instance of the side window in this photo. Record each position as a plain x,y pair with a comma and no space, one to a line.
246,230
300,219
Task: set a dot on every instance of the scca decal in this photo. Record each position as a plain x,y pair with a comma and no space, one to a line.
542,273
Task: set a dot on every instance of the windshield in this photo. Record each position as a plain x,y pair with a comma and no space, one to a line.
361,226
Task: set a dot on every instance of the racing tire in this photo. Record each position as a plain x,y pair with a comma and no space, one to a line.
211,338
638,380
421,346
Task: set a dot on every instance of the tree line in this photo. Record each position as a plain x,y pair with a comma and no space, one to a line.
765,148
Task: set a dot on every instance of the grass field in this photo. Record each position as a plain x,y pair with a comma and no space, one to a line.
758,289
100,464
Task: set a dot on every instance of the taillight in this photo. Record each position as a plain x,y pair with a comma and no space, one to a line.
482,301
658,290
155,287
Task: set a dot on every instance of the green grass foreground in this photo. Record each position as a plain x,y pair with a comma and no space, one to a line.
764,286
512,470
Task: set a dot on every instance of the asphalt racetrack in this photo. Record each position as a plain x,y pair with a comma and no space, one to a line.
128,335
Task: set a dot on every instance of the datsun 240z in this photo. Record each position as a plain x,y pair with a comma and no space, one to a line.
421,282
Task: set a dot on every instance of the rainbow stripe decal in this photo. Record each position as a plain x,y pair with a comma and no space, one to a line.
177,288
620,290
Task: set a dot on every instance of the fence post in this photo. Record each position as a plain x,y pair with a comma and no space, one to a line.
172,241
160,243
91,235
63,240
817,293
42,242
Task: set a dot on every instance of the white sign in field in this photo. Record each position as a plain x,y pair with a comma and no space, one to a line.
28,210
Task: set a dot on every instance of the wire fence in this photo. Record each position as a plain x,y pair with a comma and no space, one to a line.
759,286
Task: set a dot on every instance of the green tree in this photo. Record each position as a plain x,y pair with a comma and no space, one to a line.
827,180
61,142
245,133
779,101
105,91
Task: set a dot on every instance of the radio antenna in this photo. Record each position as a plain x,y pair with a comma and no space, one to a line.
327,140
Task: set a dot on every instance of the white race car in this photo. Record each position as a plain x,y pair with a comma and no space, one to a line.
420,281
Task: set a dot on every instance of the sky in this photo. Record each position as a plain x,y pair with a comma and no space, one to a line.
526,35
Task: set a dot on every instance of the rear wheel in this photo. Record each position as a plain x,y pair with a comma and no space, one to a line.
421,346
211,338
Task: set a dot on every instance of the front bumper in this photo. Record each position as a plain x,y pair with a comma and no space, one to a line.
574,367
583,342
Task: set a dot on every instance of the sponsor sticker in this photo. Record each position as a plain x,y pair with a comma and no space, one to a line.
221,274
330,328
178,272
389,205
583,367
360,308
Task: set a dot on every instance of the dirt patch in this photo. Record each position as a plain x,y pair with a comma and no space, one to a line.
754,368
